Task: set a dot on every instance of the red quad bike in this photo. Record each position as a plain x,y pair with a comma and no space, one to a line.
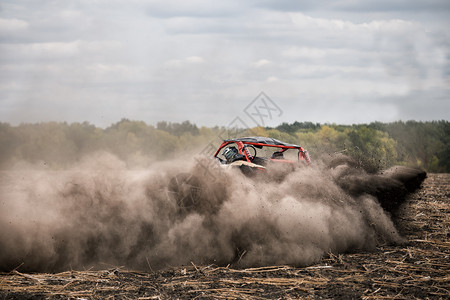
252,155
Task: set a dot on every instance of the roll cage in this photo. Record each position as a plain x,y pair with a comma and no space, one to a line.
260,142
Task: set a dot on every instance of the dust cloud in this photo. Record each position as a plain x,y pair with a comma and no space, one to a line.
101,214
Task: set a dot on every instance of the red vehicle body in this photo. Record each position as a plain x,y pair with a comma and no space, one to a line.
248,157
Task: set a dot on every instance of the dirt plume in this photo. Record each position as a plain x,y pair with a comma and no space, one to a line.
101,213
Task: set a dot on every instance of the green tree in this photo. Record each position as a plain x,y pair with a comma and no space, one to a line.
372,148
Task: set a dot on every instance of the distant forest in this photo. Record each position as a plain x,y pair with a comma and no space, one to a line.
375,145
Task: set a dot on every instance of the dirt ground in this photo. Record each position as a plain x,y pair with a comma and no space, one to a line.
418,269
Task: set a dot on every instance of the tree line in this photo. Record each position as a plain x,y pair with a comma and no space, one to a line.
376,145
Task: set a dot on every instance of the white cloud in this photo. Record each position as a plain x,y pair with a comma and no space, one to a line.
391,27
194,59
262,62
304,52
272,79
114,73
179,63
56,50
12,25
152,54
194,8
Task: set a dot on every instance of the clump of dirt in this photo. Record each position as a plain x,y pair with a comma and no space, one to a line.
416,269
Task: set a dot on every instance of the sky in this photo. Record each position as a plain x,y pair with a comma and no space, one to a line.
224,62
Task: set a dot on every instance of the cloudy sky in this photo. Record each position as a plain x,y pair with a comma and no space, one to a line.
206,61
